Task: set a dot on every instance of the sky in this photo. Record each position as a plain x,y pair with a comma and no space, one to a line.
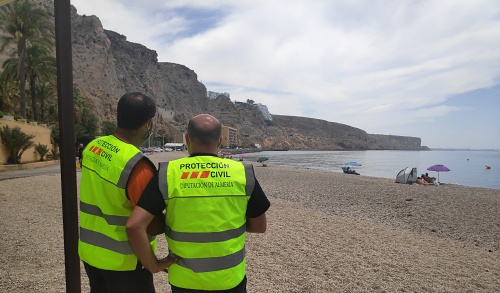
428,69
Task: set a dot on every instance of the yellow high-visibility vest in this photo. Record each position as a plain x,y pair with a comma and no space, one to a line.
104,206
206,200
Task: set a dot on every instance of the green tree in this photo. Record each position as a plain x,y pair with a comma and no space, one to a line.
108,128
46,93
54,134
51,111
9,94
24,24
86,127
16,142
40,66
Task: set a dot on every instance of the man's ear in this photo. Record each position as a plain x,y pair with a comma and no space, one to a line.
148,124
219,142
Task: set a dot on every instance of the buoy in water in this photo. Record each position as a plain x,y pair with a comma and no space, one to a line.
488,167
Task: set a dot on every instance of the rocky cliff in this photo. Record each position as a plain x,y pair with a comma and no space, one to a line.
106,65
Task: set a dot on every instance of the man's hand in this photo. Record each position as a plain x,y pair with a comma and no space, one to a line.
164,263
136,228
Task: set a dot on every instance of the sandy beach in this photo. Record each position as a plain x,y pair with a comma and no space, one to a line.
327,232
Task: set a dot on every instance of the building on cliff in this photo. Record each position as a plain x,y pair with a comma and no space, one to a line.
229,137
268,118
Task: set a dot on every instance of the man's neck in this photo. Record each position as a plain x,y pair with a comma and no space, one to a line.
128,137
202,150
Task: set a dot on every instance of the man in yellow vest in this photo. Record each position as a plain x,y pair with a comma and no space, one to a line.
114,175
210,204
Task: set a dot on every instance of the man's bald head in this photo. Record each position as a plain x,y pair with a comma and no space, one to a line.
204,130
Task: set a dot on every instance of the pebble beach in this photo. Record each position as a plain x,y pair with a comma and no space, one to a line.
327,232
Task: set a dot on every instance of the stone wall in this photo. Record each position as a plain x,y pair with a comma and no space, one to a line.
41,133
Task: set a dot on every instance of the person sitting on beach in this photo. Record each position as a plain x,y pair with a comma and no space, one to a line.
428,179
422,181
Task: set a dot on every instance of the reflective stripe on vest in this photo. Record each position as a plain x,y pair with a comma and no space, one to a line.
96,211
103,241
203,265
221,265
205,237
104,206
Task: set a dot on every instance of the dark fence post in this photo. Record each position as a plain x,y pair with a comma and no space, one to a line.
62,10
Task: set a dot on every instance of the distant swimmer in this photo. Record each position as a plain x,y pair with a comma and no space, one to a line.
488,167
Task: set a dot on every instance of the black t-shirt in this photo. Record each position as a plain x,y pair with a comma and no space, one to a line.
153,202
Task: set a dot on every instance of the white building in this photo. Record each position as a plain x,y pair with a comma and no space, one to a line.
265,112
214,95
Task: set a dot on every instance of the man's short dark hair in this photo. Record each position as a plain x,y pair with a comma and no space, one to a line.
135,109
204,136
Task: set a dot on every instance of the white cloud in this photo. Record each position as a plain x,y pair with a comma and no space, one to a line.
361,63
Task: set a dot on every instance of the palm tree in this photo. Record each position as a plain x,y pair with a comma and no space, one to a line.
41,150
16,142
24,24
39,65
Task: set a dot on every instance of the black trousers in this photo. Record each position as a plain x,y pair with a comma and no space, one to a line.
241,288
104,281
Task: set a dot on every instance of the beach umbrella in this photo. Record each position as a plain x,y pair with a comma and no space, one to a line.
438,168
352,163
262,159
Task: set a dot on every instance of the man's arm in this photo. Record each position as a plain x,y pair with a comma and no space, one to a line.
141,175
136,229
157,226
256,210
257,225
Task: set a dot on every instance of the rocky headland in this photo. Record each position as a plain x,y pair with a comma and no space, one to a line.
106,65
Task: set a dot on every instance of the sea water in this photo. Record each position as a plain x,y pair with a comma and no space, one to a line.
467,168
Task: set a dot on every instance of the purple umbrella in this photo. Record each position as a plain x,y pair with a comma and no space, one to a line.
438,168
